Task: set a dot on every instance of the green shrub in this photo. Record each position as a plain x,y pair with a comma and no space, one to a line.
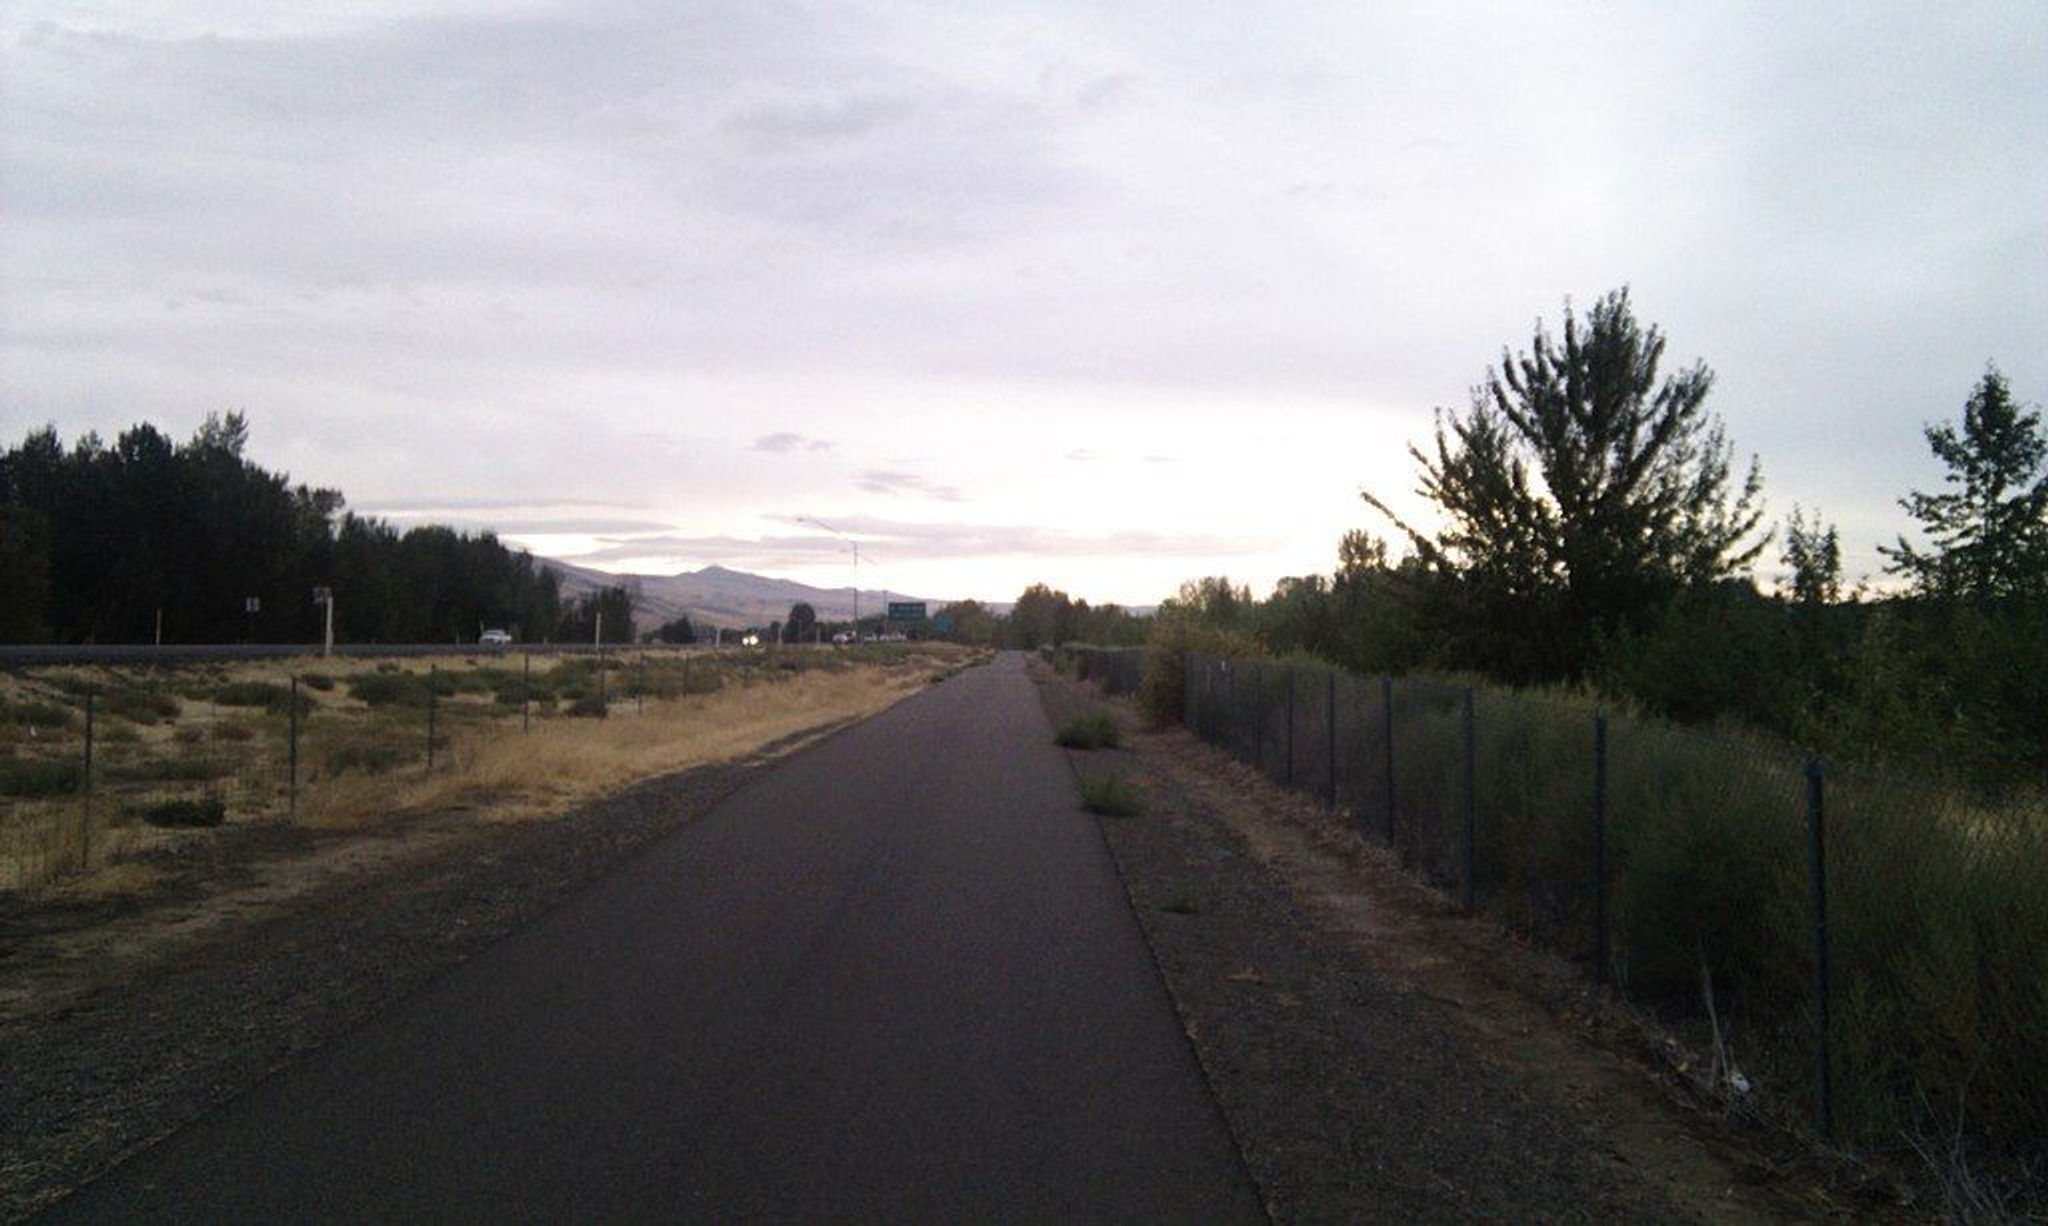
589,707
168,770
35,714
369,757
139,706
1110,795
208,811
316,681
393,689
40,776
1096,730
252,694
1162,685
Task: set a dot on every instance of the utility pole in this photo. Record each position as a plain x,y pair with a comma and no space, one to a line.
324,597
856,566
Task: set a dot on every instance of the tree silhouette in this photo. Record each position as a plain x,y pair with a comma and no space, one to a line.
1989,531
1580,493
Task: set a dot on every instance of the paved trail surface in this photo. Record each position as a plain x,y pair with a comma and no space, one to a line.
897,978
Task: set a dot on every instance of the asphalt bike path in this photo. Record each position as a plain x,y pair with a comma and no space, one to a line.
895,978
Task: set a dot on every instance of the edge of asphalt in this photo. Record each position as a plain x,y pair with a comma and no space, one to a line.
1180,1010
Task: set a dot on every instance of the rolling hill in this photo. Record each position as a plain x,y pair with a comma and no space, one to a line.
719,596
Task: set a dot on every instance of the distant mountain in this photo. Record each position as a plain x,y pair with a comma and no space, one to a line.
719,596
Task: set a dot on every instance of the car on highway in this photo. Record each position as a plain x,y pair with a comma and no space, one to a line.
494,638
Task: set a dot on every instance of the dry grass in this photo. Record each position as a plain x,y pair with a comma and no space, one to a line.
361,764
562,762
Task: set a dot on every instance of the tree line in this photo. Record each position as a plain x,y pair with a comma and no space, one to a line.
146,539
1597,532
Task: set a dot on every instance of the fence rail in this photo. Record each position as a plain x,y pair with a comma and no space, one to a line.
1869,947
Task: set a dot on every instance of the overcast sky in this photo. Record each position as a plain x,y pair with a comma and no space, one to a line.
1104,295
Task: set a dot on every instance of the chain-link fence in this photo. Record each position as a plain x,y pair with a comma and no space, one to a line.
1115,669
1872,949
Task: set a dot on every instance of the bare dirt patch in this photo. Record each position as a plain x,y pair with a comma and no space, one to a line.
1379,1053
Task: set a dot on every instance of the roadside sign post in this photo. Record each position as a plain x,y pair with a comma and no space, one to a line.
906,613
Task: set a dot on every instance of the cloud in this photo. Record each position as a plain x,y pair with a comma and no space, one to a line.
1105,91
680,549
546,527
781,125
892,482
416,509
907,540
783,440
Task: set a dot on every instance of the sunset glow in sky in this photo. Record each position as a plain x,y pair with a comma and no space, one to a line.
1107,296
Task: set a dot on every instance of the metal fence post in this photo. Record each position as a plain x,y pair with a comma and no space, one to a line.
1230,707
1817,871
85,788
526,691
1187,693
1259,720
85,778
433,674
1471,803
1387,715
1600,938
1290,725
291,787
1330,730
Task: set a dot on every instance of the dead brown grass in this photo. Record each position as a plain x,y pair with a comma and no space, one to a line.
512,777
360,765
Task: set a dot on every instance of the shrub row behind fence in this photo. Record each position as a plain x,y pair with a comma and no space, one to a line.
1115,669
1867,947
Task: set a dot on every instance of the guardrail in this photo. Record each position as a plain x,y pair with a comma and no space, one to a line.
151,653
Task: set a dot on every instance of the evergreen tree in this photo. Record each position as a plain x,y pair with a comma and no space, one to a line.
1813,554
677,630
803,619
1989,532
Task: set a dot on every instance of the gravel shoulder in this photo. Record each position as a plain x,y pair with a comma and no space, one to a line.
126,1049
1379,1055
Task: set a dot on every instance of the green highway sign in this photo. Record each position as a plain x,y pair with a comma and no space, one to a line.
906,610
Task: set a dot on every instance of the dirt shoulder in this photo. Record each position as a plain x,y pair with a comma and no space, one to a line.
134,1025
1380,1055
